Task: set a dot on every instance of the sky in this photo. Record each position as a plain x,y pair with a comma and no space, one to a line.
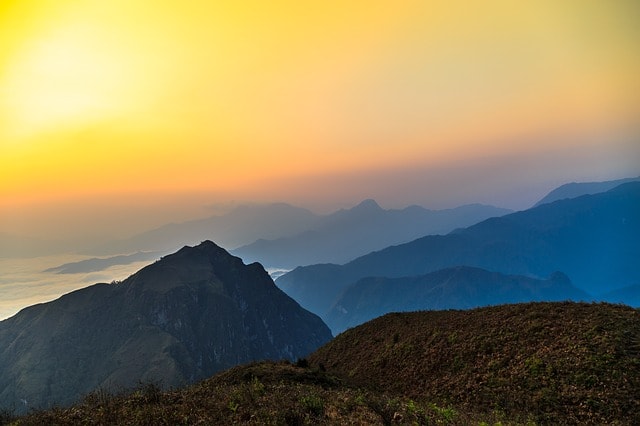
119,116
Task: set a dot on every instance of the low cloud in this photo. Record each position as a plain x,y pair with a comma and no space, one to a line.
23,282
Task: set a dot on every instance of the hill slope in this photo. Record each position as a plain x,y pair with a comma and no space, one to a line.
347,234
592,239
178,320
557,362
461,287
542,363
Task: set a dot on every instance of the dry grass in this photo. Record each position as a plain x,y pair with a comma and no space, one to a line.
547,362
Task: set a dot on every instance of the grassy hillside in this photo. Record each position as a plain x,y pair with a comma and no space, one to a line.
551,362
260,393
538,363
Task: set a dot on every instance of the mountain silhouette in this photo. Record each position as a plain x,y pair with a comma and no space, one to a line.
242,225
178,320
347,234
98,264
593,239
462,287
628,295
573,189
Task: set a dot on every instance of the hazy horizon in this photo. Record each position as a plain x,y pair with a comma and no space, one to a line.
119,117
26,280
87,219
147,111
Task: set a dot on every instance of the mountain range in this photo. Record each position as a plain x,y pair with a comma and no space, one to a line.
178,320
283,236
591,238
242,225
347,234
202,310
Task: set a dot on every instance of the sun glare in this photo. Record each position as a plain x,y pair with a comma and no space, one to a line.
63,80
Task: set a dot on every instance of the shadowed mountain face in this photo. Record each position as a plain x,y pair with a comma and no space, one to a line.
181,319
452,288
347,234
593,239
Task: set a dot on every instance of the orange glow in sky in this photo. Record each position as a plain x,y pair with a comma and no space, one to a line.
264,99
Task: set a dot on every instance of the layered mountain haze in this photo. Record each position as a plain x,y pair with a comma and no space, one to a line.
284,236
592,239
347,234
98,264
287,236
242,225
177,320
462,287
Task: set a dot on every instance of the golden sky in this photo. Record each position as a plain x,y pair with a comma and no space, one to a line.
127,100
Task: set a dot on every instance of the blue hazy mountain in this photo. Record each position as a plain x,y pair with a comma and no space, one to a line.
347,234
178,320
242,225
576,189
460,287
628,295
99,264
593,239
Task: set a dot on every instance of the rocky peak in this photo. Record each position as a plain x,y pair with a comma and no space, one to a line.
180,319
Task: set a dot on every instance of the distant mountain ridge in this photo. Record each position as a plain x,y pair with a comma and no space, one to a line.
592,238
628,295
180,319
577,189
346,234
461,287
280,235
240,226
98,264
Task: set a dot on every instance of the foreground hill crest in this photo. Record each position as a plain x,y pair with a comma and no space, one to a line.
180,319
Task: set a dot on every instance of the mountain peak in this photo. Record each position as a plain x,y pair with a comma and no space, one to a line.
368,204
206,246
178,320
205,262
